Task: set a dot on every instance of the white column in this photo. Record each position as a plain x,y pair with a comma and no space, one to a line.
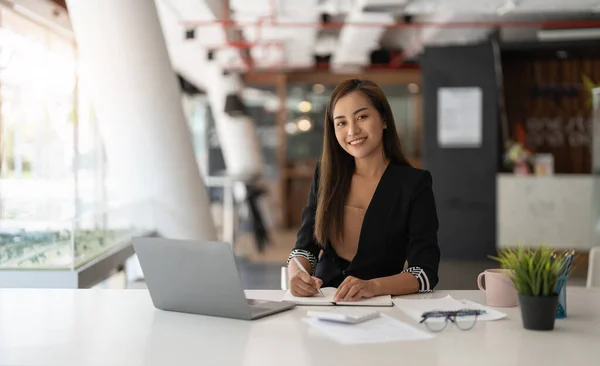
138,103
237,135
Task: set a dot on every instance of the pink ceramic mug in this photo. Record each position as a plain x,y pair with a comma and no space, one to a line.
499,289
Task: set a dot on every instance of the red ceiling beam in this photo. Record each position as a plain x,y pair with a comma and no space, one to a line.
397,60
228,41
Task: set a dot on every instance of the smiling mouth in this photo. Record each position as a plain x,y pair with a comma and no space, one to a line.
357,141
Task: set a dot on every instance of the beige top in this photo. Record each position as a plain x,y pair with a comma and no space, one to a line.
359,198
347,246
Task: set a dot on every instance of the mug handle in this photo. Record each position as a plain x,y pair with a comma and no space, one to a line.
479,284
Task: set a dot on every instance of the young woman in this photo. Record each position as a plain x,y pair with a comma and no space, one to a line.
368,210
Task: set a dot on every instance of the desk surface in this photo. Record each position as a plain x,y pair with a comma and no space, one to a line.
121,327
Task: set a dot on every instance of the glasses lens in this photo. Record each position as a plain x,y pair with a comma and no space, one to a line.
436,324
465,322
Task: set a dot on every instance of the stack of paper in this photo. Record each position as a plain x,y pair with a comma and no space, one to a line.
416,307
329,292
381,329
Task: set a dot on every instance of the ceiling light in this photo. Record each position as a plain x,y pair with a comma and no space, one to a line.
304,124
318,88
304,106
568,34
291,128
413,88
271,104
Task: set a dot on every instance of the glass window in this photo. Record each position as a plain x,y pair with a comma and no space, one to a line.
305,114
402,102
263,103
37,115
90,167
52,165
195,108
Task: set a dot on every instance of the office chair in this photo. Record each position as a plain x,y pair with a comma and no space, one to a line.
593,277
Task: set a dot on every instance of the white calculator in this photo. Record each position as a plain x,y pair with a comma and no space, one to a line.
345,314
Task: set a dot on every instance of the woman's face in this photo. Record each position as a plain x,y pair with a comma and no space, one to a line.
358,126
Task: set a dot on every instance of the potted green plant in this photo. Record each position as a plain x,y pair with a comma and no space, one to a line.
518,158
535,274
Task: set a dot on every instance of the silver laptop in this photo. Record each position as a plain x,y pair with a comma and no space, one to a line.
199,278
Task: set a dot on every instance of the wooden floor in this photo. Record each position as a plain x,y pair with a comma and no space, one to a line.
282,243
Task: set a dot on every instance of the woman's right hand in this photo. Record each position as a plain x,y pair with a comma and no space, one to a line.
304,285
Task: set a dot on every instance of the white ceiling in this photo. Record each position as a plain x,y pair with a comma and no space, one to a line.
290,36
492,6
290,32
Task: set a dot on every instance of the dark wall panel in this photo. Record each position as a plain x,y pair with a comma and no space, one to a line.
464,178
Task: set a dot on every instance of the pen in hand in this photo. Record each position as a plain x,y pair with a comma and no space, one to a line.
305,271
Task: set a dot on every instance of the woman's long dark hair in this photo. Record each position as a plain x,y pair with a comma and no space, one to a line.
337,166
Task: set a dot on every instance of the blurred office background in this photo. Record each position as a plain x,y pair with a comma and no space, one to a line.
498,99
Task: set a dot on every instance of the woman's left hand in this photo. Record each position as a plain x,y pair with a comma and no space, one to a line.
353,289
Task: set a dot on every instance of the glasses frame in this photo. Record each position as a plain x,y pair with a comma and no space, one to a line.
450,317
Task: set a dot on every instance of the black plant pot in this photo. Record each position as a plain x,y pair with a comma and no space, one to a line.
538,312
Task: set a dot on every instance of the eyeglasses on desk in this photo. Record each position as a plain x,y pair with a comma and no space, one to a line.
464,319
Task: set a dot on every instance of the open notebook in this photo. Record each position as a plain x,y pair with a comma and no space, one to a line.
329,292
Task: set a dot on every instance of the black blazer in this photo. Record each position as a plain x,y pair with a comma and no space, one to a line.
400,225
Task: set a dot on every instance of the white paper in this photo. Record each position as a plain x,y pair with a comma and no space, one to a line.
329,292
460,117
490,314
415,308
379,330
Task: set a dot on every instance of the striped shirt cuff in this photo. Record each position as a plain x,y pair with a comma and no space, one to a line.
419,273
303,253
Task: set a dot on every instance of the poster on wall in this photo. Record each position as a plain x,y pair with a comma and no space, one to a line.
460,117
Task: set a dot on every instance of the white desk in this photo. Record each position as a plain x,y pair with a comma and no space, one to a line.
121,327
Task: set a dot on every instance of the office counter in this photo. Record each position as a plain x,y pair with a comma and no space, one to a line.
121,327
561,211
